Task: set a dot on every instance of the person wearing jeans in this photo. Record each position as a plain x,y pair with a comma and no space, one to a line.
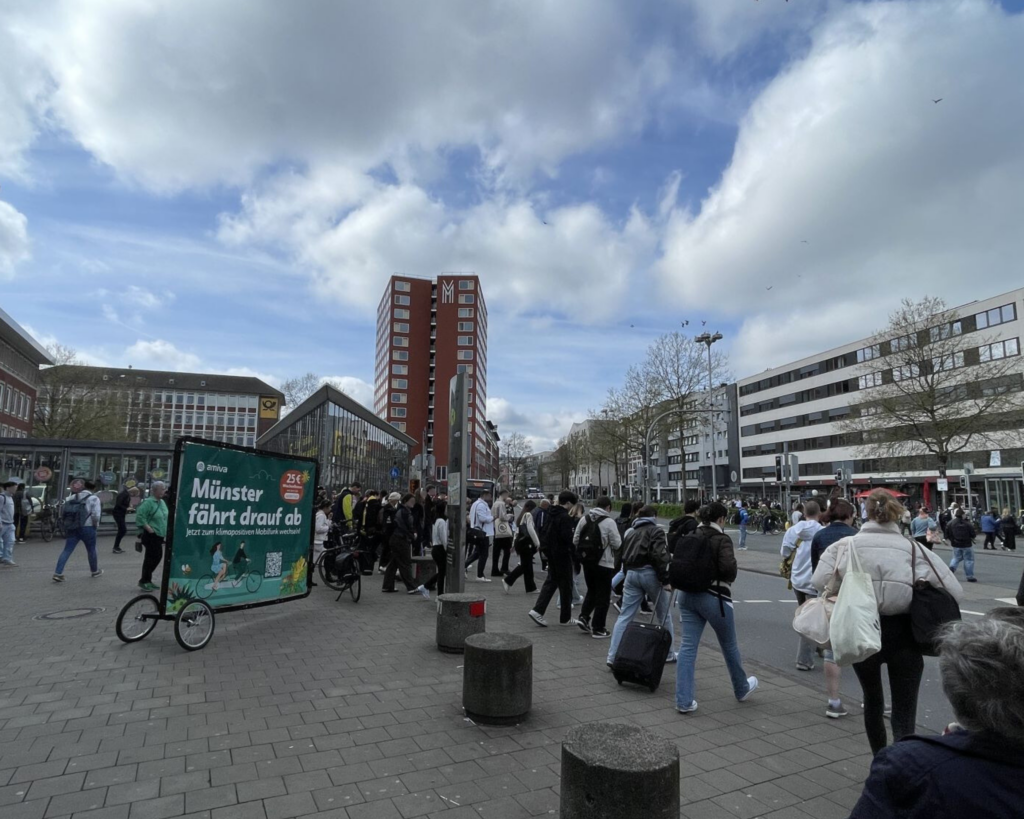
712,606
481,519
744,520
796,547
151,518
7,524
82,492
961,536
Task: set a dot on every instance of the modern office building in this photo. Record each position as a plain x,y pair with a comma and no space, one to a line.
427,332
20,359
803,404
349,441
151,406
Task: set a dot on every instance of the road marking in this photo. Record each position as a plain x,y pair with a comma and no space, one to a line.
978,613
1011,601
756,601
787,601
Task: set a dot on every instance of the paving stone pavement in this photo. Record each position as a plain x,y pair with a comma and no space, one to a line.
346,710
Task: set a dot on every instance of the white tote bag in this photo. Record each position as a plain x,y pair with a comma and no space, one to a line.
854,627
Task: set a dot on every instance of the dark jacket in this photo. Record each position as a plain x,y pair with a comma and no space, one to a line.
122,504
646,545
387,521
371,517
934,777
1009,529
682,526
405,524
558,531
824,538
960,534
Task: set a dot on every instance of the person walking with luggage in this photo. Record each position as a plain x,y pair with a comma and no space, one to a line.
645,559
527,543
796,551
503,533
80,516
887,556
703,569
597,540
120,512
961,535
151,518
402,540
557,541
438,549
7,533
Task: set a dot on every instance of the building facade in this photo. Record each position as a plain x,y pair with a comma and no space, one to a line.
349,442
802,406
20,359
427,332
152,406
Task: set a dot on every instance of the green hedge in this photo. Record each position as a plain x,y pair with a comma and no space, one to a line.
665,510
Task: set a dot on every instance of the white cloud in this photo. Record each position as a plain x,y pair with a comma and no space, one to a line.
14,245
848,184
542,429
247,372
354,388
161,355
146,299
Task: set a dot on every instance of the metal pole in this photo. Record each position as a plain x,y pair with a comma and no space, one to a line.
714,464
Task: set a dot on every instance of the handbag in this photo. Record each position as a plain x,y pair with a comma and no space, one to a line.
930,608
933,536
855,629
813,616
502,529
786,565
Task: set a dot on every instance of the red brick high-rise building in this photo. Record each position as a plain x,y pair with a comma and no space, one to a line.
427,331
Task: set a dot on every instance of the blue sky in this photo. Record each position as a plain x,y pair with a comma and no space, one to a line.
228,187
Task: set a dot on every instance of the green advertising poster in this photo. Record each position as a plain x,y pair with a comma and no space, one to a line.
242,527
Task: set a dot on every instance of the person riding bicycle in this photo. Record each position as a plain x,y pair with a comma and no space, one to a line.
240,562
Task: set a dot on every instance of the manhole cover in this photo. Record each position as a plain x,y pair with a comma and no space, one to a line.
68,614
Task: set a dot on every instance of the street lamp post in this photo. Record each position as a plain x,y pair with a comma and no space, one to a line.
708,339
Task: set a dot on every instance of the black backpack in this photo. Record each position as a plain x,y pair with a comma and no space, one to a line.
694,566
590,547
679,528
75,512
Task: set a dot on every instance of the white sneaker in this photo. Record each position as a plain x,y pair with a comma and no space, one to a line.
424,591
484,579
752,682
505,586
97,573
689,709
570,623
538,618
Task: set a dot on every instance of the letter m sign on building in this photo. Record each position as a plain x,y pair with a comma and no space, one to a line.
447,292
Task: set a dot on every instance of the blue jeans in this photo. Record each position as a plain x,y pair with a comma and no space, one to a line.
638,583
743,536
7,543
967,557
696,610
87,534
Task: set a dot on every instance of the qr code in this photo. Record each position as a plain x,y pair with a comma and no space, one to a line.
273,564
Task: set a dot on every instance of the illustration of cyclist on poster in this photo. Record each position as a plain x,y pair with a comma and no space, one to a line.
242,527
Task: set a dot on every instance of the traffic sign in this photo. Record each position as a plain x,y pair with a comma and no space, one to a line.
394,473
942,484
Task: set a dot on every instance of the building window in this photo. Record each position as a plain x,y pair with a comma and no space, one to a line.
399,383
398,412
465,312
996,316
945,331
465,355
403,301
400,355
906,371
870,380
1001,349
400,327
399,369
398,398
402,287
952,361
465,327
464,368
868,353
467,298
441,473
903,343
399,425
401,341
401,314
467,285
465,341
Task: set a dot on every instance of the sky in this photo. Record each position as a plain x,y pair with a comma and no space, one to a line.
227,187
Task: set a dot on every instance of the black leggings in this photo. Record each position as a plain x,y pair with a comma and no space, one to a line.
440,555
906,665
524,569
502,549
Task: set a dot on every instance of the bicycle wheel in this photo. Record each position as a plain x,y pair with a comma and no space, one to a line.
204,586
328,575
46,530
193,628
253,581
356,589
137,618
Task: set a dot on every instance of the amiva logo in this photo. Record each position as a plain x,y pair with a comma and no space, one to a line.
204,467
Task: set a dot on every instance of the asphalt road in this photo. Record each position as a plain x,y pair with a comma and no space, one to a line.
765,627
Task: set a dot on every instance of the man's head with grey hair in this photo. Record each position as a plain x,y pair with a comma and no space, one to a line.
982,666
157,489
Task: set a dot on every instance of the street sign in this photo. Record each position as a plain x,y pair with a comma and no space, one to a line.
458,475
942,484
995,458
968,467
794,468
394,473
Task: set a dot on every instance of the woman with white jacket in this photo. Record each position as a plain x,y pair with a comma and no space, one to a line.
895,564
527,541
321,527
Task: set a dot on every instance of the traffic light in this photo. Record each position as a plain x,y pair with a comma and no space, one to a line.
839,476
963,481
778,467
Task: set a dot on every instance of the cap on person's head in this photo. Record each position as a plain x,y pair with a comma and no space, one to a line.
394,497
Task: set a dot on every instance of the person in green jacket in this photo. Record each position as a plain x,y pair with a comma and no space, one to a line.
151,517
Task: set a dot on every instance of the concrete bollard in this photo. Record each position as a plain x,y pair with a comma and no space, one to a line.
497,679
613,771
459,616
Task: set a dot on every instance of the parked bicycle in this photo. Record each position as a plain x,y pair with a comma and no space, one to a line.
339,567
50,523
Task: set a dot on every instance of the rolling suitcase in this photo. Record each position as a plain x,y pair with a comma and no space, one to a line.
642,651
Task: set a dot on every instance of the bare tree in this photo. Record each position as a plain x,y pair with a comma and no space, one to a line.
298,389
933,386
74,402
515,452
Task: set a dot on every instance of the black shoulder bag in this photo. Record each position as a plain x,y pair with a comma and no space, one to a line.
930,608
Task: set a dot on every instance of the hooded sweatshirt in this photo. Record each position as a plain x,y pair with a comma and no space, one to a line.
799,537
610,536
